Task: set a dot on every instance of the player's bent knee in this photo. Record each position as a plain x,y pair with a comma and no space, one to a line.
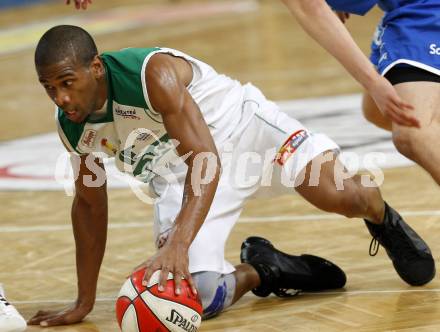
403,141
373,114
216,291
369,114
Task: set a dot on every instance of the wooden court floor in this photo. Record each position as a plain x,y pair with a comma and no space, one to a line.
266,47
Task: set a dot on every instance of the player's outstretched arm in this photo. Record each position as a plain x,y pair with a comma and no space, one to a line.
79,3
166,79
318,20
89,220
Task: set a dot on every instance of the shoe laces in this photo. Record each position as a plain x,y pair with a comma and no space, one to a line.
374,247
402,247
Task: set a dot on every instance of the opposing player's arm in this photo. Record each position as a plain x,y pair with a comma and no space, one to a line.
166,81
89,220
318,20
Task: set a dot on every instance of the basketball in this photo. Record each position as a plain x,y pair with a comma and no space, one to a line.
144,309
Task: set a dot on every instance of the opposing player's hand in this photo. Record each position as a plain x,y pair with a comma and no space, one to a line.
343,16
391,104
70,315
79,3
171,258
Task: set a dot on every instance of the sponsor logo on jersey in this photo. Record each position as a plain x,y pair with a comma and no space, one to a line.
177,319
383,57
128,156
127,114
145,136
378,35
154,159
434,49
89,138
105,143
290,146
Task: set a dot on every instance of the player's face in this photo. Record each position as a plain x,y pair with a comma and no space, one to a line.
73,87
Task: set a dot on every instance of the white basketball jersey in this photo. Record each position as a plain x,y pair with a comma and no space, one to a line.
132,132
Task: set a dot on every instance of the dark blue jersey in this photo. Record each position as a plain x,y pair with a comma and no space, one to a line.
407,35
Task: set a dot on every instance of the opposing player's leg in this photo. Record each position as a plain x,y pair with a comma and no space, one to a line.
10,318
417,143
373,114
325,187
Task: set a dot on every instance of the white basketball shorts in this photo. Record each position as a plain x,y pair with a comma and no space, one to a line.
262,158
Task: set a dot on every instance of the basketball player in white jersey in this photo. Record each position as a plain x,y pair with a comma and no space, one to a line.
205,143
10,318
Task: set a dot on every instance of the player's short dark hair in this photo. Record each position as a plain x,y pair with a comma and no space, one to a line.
65,41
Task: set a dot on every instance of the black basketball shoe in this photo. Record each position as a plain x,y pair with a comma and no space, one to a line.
410,255
285,275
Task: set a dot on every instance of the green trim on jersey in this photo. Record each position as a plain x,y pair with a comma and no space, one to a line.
124,85
127,109
125,69
108,117
72,130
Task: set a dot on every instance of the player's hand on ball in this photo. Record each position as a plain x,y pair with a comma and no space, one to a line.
171,258
79,3
70,315
390,103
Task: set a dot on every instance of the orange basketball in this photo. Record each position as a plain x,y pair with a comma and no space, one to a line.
145,309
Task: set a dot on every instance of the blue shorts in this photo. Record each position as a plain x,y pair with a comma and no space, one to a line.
408,35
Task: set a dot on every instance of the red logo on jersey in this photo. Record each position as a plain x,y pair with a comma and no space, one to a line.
108,145
89,137
290,146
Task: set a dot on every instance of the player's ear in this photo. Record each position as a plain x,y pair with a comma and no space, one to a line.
97,67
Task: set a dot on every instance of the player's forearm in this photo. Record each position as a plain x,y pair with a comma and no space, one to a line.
317,19
90,231
197,200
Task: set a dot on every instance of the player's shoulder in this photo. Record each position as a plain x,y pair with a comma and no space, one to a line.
129,53
128,61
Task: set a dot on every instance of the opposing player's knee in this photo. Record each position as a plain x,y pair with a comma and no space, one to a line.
370,113
216,291
373,114
403,140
